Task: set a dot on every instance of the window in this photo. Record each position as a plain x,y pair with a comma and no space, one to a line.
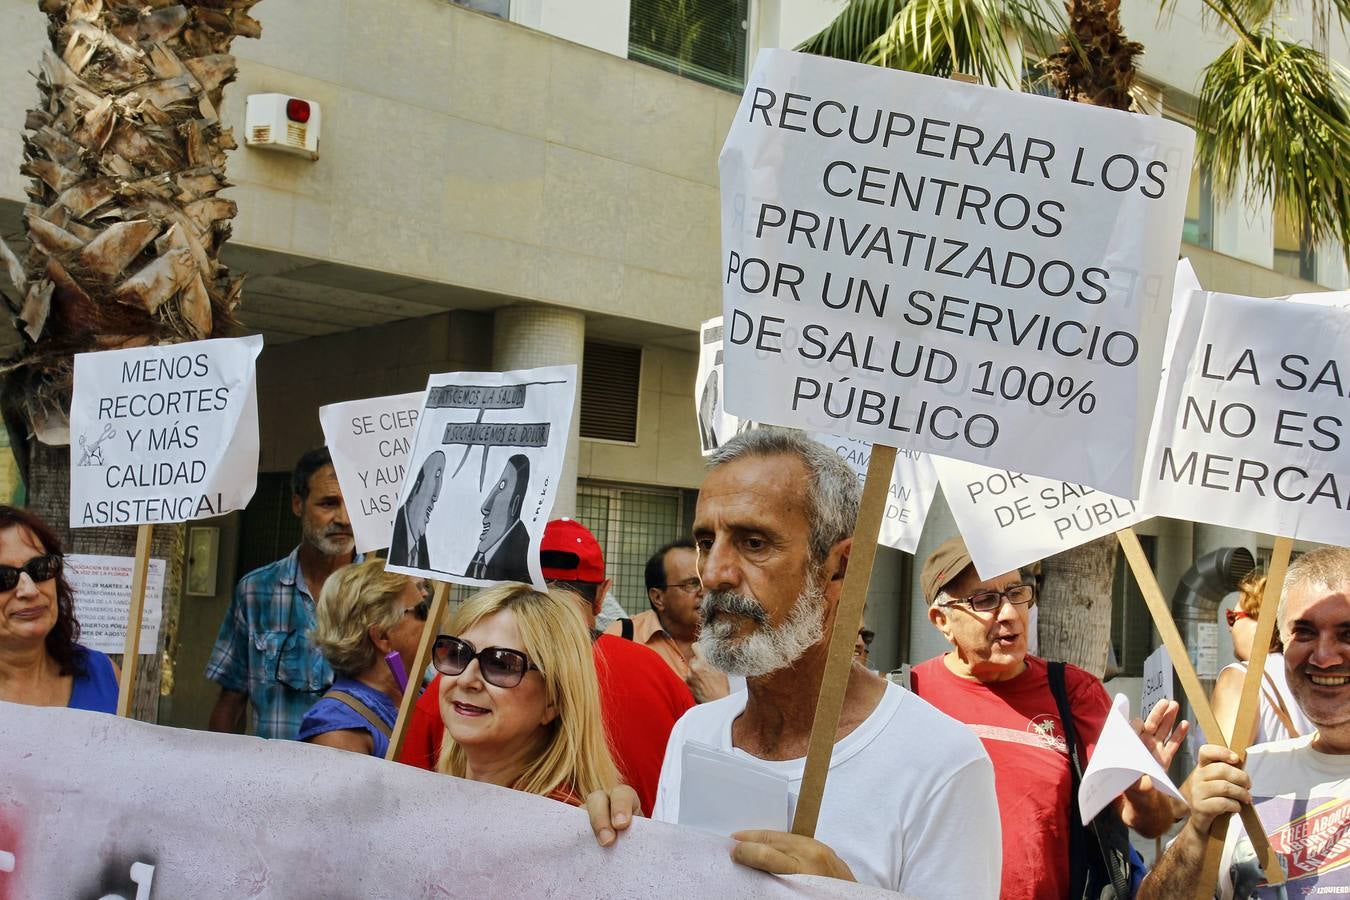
1294,256
1131,622
1199,226
610,376
499,8
631,523
699,39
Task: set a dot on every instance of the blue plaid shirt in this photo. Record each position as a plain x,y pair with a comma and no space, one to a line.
264,648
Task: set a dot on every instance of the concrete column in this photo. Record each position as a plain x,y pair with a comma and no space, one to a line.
525,337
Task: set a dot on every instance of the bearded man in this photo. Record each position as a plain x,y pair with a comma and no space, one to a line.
910,802
264,655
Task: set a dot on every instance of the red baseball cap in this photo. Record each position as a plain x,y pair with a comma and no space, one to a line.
569,552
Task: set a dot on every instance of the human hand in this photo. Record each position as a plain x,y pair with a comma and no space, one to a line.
612,812
705,682
1161,733
784,853
1218,786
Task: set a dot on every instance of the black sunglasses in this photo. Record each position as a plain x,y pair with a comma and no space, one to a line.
501,666
39,568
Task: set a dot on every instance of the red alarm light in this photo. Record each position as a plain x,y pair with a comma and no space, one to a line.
297,110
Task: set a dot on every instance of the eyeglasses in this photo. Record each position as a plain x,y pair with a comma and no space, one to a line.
501,666
689,586
988,601
39,568
420,611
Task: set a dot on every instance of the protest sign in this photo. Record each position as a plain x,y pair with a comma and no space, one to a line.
482,475
1009,519
1157,680
369,441
716,426
92,806
1253,428
163,434
722,792
102,588
950,268
1118,761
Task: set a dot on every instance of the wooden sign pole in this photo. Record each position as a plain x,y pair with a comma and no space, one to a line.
140,569
844,633
419,665
1250,703
1195,692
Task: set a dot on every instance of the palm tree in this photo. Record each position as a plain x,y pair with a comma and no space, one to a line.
1253,98
126,152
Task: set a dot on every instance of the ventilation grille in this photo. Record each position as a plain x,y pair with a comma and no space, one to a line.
295,134
261,134
609,392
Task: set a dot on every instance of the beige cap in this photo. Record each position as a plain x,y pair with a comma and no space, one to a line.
945,563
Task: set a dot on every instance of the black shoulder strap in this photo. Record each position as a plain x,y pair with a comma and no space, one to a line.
359,708
626,628
1078,864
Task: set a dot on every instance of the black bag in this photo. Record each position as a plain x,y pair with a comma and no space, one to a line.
1099,854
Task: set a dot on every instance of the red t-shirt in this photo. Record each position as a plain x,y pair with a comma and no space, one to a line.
1018,723
640,700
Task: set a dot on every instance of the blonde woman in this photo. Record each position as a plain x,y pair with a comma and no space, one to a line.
519,696
363,614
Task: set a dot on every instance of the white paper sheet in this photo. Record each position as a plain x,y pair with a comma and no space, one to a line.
722,793
1119,760
102,587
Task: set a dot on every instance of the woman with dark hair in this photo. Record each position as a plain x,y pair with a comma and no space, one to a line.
41,660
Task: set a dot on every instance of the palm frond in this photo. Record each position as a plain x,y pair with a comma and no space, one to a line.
854,29
974,36
1278,113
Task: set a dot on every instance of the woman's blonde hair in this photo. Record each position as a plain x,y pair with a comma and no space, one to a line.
354,598
556,640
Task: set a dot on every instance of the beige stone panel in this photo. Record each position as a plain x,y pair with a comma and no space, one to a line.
672,225
312,233
499,75
678,461
489,263
571,279
678,371
494,181
303,36
381,239
584,202
405,52
658,297
388,166
590,100
724,114
12,184
672,125
266,216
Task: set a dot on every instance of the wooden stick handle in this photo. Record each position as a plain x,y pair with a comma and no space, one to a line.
140,570
419,665
843,635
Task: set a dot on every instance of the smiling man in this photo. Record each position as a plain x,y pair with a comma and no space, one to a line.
990,682
1301,786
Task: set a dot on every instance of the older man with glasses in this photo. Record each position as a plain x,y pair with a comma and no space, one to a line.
670,627
1007,696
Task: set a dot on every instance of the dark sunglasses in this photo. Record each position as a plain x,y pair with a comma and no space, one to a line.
501,666
39,568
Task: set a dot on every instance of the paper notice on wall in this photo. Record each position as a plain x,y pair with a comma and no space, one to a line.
949,268
102,587
1253,428
370,441
482,475
1207,649
164,434
1119,760
1009,519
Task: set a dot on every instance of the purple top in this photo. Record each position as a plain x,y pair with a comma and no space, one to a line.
96,689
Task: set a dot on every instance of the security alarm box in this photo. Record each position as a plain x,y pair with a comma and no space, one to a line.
282,122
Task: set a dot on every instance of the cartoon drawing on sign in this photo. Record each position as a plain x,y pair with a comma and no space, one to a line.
92,451
708,410
504,544
408,546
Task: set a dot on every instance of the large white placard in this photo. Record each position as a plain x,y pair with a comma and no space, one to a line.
370,441
102,588
164,434
92,805
1253,430
482,475
1009,519
950,268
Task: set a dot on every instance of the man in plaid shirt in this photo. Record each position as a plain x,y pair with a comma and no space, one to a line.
264,654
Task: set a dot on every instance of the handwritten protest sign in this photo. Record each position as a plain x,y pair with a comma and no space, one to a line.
370,440
1253,428
102,587
482,475
1009,519
160,814
163,434
949,268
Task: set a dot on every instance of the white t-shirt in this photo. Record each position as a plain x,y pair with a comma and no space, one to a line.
1303,799
1269,727
909,804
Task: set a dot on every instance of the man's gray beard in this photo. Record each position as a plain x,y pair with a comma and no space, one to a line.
328,545
765,649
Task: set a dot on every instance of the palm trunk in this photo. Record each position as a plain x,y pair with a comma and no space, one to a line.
1075,604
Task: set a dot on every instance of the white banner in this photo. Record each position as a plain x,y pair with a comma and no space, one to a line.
370,440
944,267
102,588
1253,431
164,434
482,475
1009,519
96,806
